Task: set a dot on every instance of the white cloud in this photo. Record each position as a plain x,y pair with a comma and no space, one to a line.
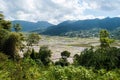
55,11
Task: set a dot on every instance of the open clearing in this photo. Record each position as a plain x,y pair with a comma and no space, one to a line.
73,45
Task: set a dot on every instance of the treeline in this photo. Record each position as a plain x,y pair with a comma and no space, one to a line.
19,61
115,34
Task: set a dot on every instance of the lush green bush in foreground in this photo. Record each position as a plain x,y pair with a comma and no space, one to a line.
107,58
27,69
79,73
24,69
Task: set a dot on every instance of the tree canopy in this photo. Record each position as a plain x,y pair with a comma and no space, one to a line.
104,39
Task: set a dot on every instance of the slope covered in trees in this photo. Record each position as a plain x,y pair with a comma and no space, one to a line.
70,26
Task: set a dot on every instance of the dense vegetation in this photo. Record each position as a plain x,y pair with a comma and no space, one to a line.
101,63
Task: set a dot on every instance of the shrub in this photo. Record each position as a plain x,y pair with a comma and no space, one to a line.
63,60
65,54
107,58
12,45
44,55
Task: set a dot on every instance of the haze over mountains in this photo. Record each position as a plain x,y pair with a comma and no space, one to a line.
31,26
46,28
67,26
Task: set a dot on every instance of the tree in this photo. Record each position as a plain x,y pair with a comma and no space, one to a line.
63,60
5,27
33,38
12,45
1,16
4,24
65,54
3,36
34,55
17,27
44,55
10,42
104,39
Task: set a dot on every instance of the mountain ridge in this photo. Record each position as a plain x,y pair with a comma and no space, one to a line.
30,26
106,23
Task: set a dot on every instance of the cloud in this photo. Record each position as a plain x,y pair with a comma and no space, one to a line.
56,11
107,5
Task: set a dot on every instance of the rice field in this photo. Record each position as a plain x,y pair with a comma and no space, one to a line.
74,45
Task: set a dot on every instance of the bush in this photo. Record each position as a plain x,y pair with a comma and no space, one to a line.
3,57
68,73
63,60
44,55
65,54
26,69
33,38
107,58
12,45
3,37
34,54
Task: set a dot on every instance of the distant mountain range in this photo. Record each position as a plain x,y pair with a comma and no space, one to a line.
72,28
31,26
68,26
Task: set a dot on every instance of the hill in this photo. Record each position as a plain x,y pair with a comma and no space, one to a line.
31,26
70,26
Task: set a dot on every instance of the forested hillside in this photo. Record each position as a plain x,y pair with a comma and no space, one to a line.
84,25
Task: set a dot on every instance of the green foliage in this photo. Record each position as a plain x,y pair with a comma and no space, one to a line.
3,36
12,45
1,16
67,73
5,27
79,73
3,57
4,24
104,34
104,57
33,38
104,39
34,55
17,27
107,58
24,69
27,69
44,55
63,60
65,54
84,58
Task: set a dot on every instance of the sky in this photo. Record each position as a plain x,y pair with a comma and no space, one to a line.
56,11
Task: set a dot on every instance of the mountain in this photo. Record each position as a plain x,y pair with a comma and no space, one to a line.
31,26
68,26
